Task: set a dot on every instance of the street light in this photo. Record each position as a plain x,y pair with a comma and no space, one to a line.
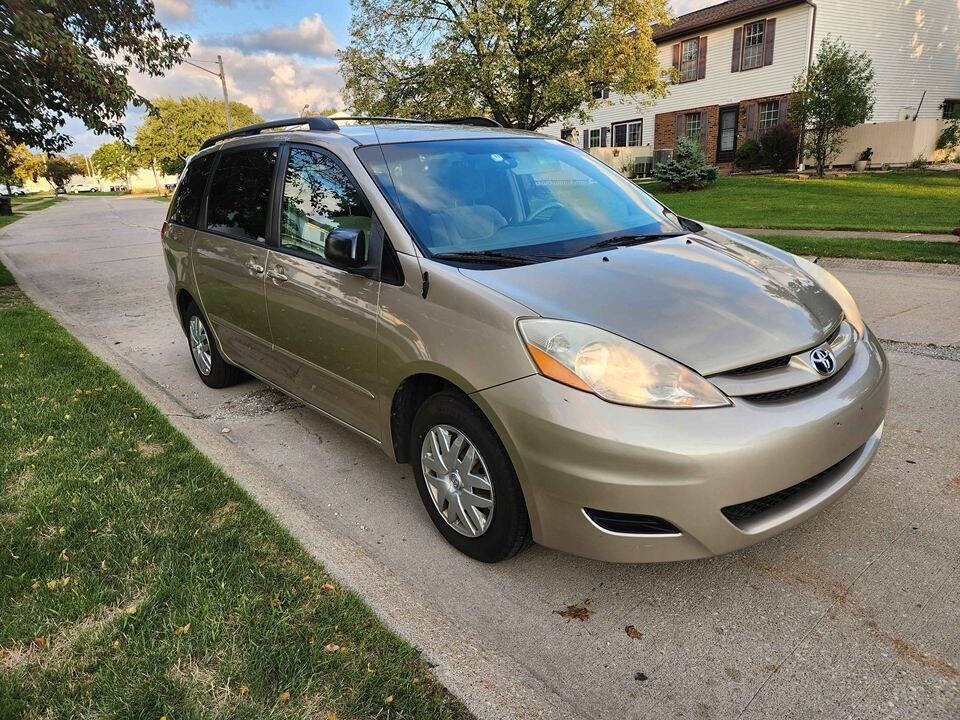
223,82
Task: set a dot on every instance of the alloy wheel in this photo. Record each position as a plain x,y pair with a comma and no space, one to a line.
457,480
200,345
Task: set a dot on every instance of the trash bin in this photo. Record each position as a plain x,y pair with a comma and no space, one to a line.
5,207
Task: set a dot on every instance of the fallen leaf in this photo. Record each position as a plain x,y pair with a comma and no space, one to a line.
293,591
40,641
284,698
328,587
36,584
388,699
244,691
632,631
640,676
275,602
331,647
52,584
415,681
574,612
182,630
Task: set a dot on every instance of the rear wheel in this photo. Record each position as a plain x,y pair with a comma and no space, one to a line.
466,480
213,370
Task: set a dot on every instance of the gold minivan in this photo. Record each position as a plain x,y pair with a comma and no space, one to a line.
560,357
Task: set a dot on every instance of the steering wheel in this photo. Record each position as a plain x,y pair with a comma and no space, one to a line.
548,206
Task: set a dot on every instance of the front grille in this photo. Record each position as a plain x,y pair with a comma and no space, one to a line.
745,511
631,524
786,393
781,361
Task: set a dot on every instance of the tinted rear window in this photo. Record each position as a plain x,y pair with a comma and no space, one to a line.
240,193
185,205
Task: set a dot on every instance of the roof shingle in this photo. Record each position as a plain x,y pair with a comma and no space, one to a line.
717,15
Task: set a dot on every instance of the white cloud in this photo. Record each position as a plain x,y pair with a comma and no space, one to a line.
273,84
682,7
310,38
174,10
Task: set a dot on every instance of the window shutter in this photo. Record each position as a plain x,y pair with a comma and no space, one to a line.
784,109
681,125
752,122
676,56
704,130
702,58
737,49
769,33
604,137
586,138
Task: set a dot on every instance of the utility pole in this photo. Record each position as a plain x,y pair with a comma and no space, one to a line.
223,82
226,102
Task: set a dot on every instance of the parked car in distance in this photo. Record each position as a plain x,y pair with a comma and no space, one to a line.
118,187
82,187
560,357
13,191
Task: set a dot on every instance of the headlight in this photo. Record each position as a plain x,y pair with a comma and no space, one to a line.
837,291
613,367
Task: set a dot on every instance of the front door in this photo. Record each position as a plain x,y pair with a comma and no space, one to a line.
727,135
324,319
230,254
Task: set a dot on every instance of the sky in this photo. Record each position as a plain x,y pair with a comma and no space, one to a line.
279,55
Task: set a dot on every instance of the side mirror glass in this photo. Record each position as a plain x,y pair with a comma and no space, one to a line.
346,248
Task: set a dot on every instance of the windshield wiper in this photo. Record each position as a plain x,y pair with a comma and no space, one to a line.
625,240
495,256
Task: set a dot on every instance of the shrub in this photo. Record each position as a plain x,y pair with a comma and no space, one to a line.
748,155
688,169
918,162
949,139
866,155
778,147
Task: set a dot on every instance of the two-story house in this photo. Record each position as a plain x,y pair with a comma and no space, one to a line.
737,62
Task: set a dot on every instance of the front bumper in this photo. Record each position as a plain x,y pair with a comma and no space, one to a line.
573,450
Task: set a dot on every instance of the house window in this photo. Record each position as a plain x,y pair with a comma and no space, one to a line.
753,45
692,125
594,138
951,109
769,114
689,60
628,134
600,92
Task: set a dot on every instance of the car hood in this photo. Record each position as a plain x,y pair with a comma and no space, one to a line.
713,301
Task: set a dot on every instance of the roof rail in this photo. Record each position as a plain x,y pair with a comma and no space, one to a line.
477,120
318,122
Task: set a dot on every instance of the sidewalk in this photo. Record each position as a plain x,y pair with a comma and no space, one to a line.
930,237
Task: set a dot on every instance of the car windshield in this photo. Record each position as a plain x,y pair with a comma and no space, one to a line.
510,195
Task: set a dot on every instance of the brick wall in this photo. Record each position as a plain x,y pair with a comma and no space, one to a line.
665,127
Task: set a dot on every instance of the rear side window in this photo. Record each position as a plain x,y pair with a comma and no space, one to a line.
240,193
185,205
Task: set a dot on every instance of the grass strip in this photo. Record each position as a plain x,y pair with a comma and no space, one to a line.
138,581
868,248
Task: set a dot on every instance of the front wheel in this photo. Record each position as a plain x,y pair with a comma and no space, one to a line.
213,370
466,480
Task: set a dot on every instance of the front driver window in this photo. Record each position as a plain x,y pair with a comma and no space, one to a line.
318,197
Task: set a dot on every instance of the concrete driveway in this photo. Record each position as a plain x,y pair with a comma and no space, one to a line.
856,613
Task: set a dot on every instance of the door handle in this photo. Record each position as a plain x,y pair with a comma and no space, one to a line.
254,267
277,274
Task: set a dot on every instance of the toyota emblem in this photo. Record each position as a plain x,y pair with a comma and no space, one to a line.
823,361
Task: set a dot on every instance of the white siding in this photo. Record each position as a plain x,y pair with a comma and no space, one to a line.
720,86
914,44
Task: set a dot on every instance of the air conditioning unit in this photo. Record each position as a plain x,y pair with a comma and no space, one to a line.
660,156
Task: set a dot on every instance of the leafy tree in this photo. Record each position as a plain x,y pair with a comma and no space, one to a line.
79,162
115,160
525,63
949,138
688,169
836,93
175,129
57,171
70,58
17,164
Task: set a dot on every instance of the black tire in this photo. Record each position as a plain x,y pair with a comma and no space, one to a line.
222,374
509,530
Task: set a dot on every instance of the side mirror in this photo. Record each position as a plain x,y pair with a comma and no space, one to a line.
346,248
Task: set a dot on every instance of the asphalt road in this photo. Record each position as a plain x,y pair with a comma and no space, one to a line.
855,613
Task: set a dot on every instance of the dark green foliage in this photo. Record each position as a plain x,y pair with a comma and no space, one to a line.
688,169
749,156
778,147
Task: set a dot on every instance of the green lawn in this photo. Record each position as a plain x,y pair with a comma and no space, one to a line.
869,248
138,581
896,201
